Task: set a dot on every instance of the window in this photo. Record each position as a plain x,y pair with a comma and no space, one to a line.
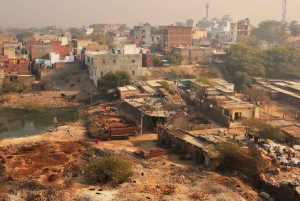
133,72
6,66
114,61
103,61
92,60
101,73
88,59
133,61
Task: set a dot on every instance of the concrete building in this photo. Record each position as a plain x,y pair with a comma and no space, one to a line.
244,28
194,55
142,34
175,36
155,112
40,51
196,34
190,23
102,62
128,91
228,109
119,41
79,43
87,30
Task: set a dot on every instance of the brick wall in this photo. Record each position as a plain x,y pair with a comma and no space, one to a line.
63,50
94,46
10,67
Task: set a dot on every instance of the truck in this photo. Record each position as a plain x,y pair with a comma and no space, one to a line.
117,132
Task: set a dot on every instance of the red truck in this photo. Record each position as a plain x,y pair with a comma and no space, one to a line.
125,132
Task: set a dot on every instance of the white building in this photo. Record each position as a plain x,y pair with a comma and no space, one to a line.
87,30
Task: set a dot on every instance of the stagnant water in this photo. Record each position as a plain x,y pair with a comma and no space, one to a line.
19,123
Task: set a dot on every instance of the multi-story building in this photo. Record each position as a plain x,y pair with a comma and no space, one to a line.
175,36
142,34
103,62
79,44
244,28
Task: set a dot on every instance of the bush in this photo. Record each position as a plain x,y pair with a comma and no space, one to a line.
175,73
113,170
165,85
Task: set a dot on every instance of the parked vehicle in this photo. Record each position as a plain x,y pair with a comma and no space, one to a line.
165,63
124,132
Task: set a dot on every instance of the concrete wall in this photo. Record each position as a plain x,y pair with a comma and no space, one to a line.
288,98
132,63
1,77
40,51
9,51
124,93
247,113
119,41
195,55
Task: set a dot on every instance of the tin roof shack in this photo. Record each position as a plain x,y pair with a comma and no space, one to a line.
156,111
228,109
291,134
198,150
128,91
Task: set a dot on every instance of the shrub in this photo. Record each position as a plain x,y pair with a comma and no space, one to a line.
175,73
165,85
113,170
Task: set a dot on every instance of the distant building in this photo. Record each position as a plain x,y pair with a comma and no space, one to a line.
87,30
79,43
175,36
142,34
244,28
190,23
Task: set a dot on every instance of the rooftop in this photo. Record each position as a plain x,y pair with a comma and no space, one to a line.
157,107
208,148
292,130
127,88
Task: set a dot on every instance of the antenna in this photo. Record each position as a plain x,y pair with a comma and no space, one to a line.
207,6
283,11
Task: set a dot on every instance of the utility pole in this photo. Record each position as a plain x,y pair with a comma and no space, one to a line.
91,96
142,122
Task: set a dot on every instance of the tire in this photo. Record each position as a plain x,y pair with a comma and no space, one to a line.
127,137
108,139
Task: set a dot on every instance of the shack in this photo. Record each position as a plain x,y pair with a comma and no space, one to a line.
199,151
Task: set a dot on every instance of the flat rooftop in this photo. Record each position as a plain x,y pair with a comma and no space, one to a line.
157,107
128,88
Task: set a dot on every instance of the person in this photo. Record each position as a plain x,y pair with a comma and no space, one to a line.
68,130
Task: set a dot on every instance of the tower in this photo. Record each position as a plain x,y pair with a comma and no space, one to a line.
207,6
283,11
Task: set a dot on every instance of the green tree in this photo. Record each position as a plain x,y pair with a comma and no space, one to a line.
123,27
271,31
174,58
113,170
267,131
282,62
157,61
23,34
251,41
294,28
241,57
76,33
175,73
113,80
242,80
207,82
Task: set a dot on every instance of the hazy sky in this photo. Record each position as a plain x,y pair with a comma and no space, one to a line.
75,13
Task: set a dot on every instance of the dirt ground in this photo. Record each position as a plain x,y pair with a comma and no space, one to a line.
50,164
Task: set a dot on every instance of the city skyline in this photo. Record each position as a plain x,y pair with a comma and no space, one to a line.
34,13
